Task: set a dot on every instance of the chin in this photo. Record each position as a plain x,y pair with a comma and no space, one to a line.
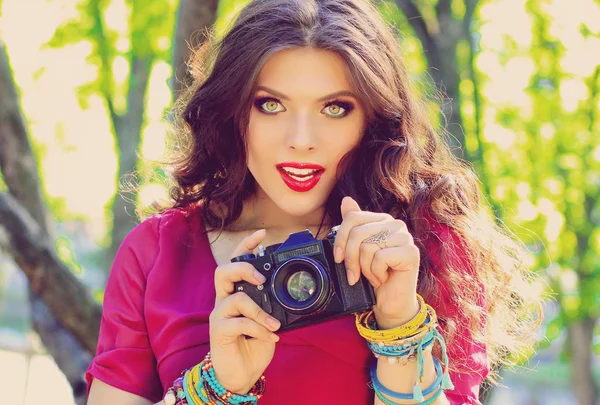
298,207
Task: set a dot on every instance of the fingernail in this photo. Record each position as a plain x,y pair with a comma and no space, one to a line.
350,277
274,337
259,277
337,254
273,323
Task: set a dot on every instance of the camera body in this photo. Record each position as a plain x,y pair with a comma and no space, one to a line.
304,284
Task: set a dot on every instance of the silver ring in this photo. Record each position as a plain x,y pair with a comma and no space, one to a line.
379,238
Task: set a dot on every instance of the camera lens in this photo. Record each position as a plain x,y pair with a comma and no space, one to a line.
301,286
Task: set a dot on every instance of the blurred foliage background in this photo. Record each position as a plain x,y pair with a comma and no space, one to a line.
94,80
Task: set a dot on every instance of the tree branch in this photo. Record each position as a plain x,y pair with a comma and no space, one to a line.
17,162
443,8
193,16
594,95
470,11
123,205
417,21
19,167
105,66
49,278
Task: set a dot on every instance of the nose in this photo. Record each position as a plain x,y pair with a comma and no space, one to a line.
301,137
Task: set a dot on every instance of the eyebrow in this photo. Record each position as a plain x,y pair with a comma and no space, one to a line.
327,97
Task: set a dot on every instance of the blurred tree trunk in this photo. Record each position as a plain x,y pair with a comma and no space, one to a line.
64,314
580,331
193,17
477,156
128,130
20,172
440,39
127,126
580,336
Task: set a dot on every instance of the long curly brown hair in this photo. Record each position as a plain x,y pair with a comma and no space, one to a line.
402,166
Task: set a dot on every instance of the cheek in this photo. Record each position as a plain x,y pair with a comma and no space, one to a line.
345,141
258,140
262,129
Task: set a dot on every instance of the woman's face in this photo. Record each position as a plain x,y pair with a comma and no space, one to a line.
306,117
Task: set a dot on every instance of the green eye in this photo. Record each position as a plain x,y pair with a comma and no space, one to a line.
336,110
271,106
268,105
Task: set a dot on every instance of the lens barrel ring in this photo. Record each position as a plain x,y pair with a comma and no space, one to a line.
288,269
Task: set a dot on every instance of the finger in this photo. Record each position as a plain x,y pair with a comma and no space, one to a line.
349,204
228,330
368,251
358,255
366,255
249,243
351,217
401,259
228,274
240,304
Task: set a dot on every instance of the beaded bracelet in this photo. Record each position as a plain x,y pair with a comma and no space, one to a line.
212,386
175,395
199,386
398,347
407,353
190,390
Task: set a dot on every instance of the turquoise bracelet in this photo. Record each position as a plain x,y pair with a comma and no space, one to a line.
401,351
377,386
427,402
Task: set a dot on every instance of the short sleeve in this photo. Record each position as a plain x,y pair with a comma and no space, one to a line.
468,355
124,358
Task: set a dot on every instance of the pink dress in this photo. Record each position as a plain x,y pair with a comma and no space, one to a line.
158,298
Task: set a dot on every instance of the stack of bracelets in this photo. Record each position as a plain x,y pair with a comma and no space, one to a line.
403,344
198,385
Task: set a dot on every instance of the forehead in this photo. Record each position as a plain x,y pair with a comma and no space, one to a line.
304,70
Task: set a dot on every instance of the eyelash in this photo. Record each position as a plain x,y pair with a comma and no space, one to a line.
348,107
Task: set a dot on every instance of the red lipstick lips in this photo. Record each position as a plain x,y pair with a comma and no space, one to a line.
300,177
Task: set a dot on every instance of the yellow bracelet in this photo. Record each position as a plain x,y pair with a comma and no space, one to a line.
404,341
365,329
362,321
395,339
195,378
191,388
413,327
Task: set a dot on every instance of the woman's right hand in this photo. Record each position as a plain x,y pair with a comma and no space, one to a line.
238,361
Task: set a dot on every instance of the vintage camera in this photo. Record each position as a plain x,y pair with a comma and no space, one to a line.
304,284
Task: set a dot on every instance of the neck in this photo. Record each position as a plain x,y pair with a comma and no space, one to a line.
261,213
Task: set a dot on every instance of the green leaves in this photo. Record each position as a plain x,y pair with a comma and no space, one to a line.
553,152
118,31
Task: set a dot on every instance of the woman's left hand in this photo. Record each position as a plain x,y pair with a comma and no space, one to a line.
391,266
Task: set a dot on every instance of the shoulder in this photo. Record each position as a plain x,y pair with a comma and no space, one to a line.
173,227
179,219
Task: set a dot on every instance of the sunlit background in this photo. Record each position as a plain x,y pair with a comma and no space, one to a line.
71,134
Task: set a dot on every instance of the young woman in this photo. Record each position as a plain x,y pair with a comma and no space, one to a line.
305,119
